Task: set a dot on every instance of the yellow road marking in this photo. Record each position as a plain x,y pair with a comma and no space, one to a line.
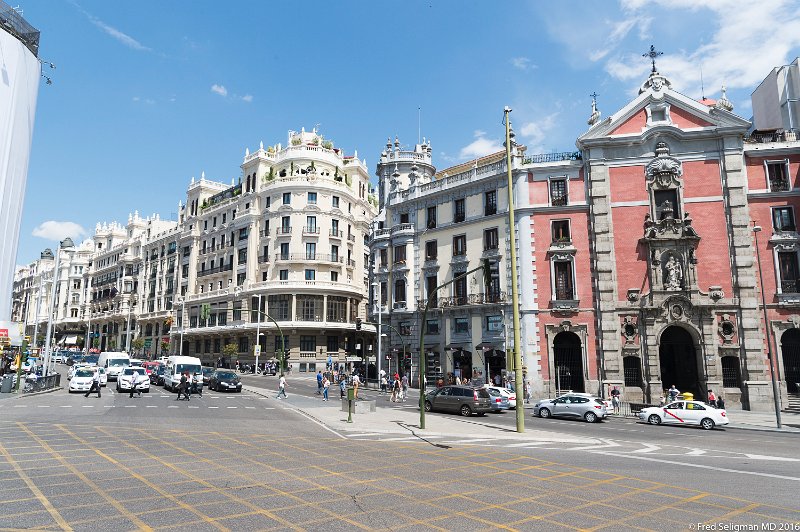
86,480
36,491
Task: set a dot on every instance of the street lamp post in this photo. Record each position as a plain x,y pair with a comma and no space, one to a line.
182,302
128,327
65,245
257,347
775,395
377,306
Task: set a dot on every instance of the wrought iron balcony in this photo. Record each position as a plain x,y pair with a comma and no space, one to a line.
791,286
283,230
560,201
310,230
335,234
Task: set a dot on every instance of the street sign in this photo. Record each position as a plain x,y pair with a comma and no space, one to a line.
257,350
148,342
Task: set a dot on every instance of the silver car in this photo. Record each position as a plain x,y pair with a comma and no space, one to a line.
574,406
498,400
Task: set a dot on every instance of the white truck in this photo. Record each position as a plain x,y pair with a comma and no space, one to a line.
113,362
176,366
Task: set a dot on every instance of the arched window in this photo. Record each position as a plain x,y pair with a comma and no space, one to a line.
148,330
730,372
632,369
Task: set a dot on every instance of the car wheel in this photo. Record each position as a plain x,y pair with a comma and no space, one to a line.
707,423
118,389
590,417
466,411
428,406
544,412
654,419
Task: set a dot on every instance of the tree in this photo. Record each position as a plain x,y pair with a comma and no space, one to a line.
164,347
137,343
230,351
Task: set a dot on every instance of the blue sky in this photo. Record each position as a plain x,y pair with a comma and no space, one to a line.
147,94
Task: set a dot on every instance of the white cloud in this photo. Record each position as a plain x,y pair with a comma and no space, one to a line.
53,230
127,40
737,54
522,63
219,89
534,133
480,146
247,98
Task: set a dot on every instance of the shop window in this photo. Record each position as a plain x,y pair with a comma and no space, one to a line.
461,326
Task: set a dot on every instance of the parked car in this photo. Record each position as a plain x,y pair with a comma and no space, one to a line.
149,366
207,372
685,413
511,395
81,381
224,380
498,401
157,375
74,358
125,380
576,406
464,400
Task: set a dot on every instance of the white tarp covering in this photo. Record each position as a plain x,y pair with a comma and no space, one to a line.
20,73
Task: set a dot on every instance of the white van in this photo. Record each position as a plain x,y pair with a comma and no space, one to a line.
113,362
176,366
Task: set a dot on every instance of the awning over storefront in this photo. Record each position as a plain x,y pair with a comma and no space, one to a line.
486,346
71,340
457,346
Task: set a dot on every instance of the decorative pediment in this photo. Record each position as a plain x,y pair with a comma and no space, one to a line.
677,308
663,171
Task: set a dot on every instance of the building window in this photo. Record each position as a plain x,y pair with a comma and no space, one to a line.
308,343
242,255
279,306
244,344
243,234
789,272
335,277
283,275
730,372
560,229
778,175
461,326
334,253
284,251
558,192
311,225
459,245
333,344
783,219
431,283
432,327
311,251
281,343
240,278
563,281
632,371
310,308
494,324
490,203
404,218
337,309
459,211
431,221
335,202
666,204
399,254
312,198
460,288
431,250
400,291
311,275
287,198
383,258
490,239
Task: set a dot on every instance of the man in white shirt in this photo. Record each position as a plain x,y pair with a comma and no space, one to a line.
282,388
356,383
134,382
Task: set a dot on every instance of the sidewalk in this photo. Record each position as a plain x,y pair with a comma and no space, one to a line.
744,419
405,421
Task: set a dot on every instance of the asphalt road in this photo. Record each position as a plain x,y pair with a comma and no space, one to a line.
247,462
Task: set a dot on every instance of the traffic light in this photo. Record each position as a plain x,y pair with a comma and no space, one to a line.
358,324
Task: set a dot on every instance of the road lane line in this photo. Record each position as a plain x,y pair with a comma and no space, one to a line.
321,424
151,406
649,448
86,480
231,407
172,406
42,406
213,407
700,466
32,486
88,406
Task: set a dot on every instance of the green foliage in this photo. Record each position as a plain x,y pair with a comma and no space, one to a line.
164,347
295,141
327,145
271,174
205,311
229,351
137,343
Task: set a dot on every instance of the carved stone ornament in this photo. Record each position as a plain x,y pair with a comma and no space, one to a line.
786,245
566,325
794,319
562,255
726,329
664,171
672,272
633,295
715,293
677,308
629,329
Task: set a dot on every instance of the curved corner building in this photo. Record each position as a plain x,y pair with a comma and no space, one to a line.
19,86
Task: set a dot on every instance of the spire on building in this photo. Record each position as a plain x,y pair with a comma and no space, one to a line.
595,116
724,102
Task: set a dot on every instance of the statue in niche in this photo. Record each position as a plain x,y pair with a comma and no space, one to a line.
666,210
673,274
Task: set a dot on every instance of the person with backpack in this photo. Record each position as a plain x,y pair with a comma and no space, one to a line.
395,390
183,387
325,385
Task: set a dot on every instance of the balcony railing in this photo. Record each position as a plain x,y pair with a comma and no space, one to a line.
263,258
310,230
490,209
791,286
351,263
335,234
216,269
559,201
351,238
553,157
309,257
263,233
491,298
284,230
773,136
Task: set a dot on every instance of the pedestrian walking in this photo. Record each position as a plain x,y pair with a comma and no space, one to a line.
325,385
404,387
95,384
396,390
197,384
342,385
356,383
183,387
282,388
712,398
383,383
134,382
319,383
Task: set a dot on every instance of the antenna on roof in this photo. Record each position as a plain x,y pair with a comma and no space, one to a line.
419,124
702,88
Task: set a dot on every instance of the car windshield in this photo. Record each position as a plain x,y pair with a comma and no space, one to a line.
84,373
226,375
191,368
118,362
129,371
92,359
208,371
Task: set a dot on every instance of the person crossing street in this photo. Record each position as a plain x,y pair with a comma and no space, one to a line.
95,384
